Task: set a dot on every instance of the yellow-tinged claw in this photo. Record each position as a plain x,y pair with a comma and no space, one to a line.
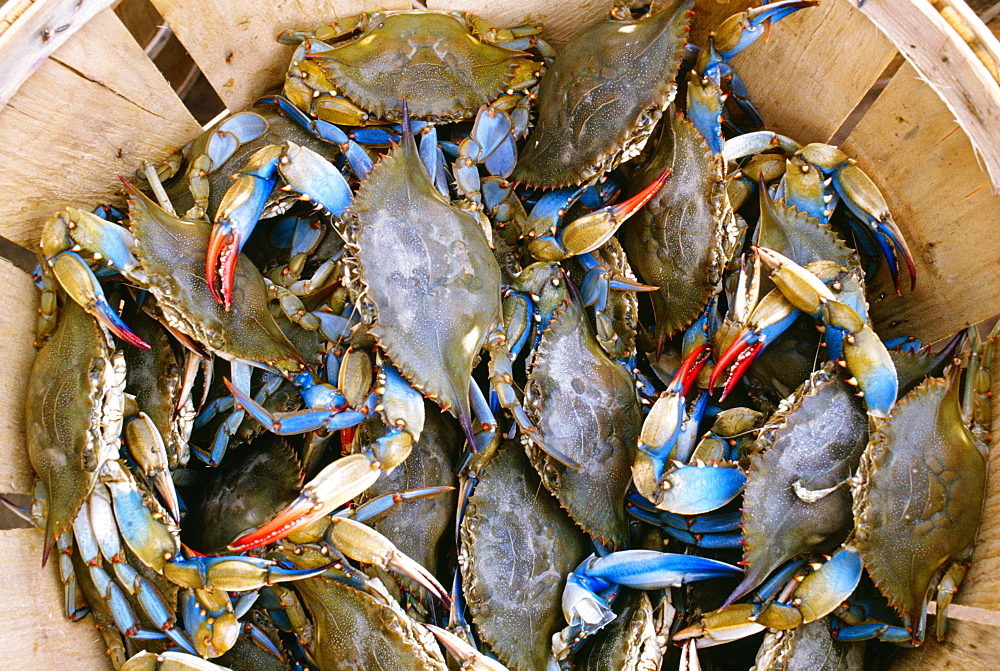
147,448
802,288
362,543
334,486
721,626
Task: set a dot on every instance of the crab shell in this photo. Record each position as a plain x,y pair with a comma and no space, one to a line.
172,254
585,406
360,627
809,647
812,444
517,547
919,496
633,641
73,413
428,276
681,240
602,96
400,57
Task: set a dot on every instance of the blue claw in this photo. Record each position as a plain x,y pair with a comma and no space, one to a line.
693,490
648,569
82,285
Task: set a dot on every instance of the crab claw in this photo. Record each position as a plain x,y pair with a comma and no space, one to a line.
772,316
232,574
819,593
747,346
592,230
865,201
693,490
468,658
872,369
729,623
648,569
743,29
334,486
364,544
238,212
82,285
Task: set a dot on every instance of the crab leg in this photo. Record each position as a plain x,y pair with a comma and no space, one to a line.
334,486
232,574
743,29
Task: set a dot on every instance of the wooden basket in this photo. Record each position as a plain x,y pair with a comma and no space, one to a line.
80,102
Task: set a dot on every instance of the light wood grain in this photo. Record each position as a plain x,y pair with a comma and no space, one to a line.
947,63
31,30
912,148
561,20
34,632
234,43
969,647
89,113
827,56
18,316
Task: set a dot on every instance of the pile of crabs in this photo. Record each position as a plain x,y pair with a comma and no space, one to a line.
422,357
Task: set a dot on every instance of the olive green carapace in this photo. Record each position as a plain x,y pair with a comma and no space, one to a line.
172,254
813,443
628,642
809,647
920,496
517,546
444,72
70,390
800,237
602,96
360,628
585,406
681,239
428,271
250,487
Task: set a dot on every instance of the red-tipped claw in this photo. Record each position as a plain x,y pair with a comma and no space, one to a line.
220,263
689,369
335,485
739,356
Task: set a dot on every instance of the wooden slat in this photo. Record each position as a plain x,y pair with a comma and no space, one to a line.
560,22
709,15
234,42
827,56
88,114
30,30
969,647
945,61
34,631
18,316
912,148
